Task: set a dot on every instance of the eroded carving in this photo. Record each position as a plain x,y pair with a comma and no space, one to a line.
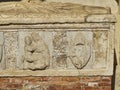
11,48
60,46
36,53
80,51
100,42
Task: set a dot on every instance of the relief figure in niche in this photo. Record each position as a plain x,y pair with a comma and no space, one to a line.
80,51
36,53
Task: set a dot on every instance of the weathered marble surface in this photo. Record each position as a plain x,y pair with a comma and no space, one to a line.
36,53
69,51
51,12
55,39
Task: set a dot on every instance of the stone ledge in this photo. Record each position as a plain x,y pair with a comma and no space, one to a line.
53,12
49,72
59,19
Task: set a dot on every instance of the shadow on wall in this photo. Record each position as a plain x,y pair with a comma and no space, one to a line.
114,71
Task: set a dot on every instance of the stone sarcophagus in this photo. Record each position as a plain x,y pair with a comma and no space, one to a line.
55,39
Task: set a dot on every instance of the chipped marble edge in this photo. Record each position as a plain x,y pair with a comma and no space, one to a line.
101,18
108,18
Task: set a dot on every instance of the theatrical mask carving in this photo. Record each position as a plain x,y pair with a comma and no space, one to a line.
80,51
36,53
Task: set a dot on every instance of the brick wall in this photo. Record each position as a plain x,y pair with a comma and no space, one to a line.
56,83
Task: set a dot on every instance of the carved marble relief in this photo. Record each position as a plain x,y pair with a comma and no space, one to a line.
59,49
80,50
36,55
57,52
11,49
64,50
100,42
53,50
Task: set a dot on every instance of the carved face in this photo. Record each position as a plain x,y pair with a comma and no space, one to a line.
28,40
79,49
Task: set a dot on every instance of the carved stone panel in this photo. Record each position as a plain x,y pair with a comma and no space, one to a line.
80,49
60,44
11,47
35,54
55,39
100,42
62,50
55,52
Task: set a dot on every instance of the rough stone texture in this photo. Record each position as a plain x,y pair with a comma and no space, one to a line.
104,3
52,12
11,47
59,49
100,49
117,78
36,54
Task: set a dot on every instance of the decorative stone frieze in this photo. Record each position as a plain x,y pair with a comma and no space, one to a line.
55,39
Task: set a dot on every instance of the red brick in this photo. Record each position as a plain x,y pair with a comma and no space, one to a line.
71,87
92,88
106,79
104,84
13,86
91,79
54,87
71,79
57,83
16,80
4,80
65,88
45,78
55,79
106,88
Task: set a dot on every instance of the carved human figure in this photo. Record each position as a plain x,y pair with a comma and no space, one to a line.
80,51
36,53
